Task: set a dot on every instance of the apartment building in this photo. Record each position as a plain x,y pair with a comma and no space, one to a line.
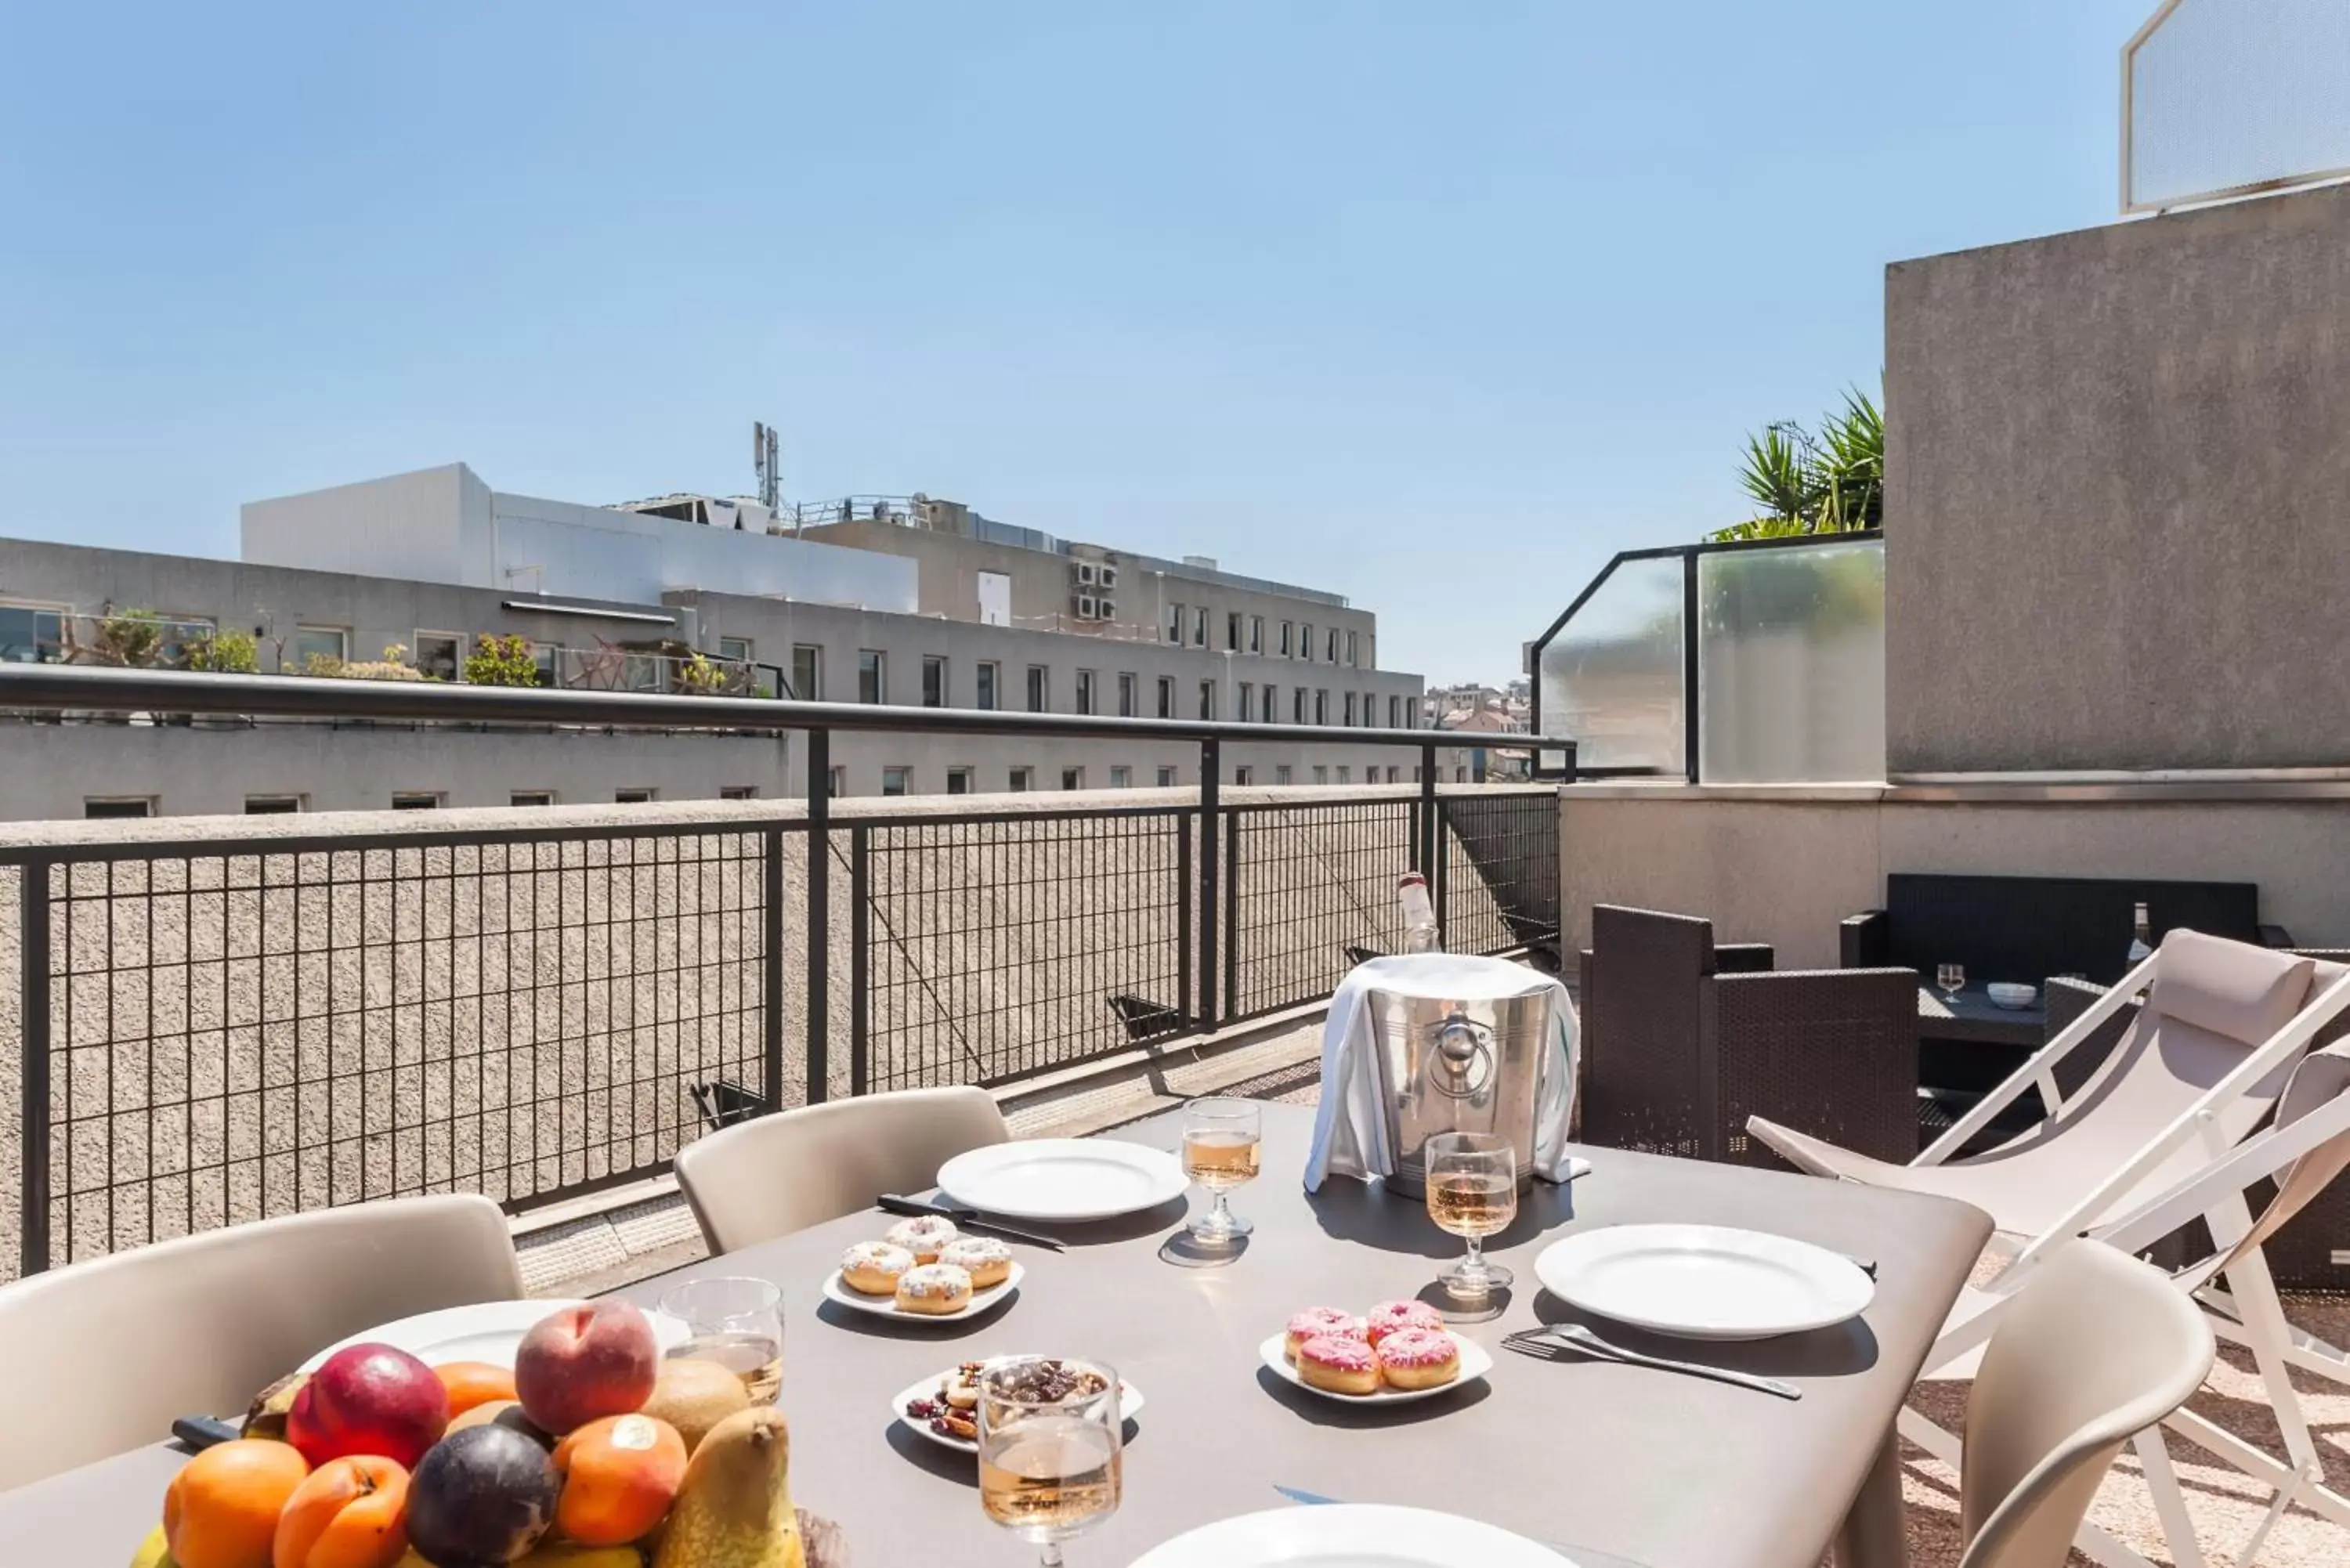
611,597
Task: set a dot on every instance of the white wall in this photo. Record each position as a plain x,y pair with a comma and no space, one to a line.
433,526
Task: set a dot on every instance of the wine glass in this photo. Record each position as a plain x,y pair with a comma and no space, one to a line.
1221,1140
1049,1435
1472,1192
736,1322
1952,978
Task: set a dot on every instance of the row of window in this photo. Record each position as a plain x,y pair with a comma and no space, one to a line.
101,807
1255,703
1246,634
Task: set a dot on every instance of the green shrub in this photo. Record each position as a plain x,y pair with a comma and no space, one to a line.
132,638
225,653
501,662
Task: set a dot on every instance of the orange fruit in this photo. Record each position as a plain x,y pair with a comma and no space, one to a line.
350,1513
472,1383
619,1476
221,1511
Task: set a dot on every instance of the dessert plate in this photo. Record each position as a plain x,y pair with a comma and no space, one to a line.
1351,1535
835,1289
1475,1362
1704,1281
1129,1400
1063,1178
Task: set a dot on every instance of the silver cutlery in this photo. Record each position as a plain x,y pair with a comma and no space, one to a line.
1574,1338
969,1219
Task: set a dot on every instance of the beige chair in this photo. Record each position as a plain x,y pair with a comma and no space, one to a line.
99,1357
2098,1348
766,1177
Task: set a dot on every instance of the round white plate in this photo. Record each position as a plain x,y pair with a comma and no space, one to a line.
1475,1362
1064,1178
1350,1535
835,1289
1704,1281
487,1331
1129,1400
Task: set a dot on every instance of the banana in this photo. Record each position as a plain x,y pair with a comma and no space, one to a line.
266,1417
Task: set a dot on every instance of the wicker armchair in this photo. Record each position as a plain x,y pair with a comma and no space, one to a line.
1684,1040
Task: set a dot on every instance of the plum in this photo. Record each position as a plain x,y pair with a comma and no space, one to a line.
480,1498
368,1399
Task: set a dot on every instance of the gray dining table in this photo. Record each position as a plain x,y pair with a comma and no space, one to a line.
1624,1467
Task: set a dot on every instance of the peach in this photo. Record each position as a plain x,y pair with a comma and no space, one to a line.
369,1399
584,1362
351,1512
221,1511
619,1476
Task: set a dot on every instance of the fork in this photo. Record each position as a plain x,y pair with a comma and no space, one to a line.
1550,1342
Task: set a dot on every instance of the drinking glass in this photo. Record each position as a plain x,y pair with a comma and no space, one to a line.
1049,1465
736,1322
1952,978
1472,1192
1221,1140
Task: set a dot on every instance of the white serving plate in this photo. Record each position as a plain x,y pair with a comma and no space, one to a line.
1350,1535
487,1331
1062,1179
1704,1281
1475,1362
835,1289
1129,1400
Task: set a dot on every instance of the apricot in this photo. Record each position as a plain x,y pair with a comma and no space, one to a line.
351,1512
221,1511
619,1476
472,1383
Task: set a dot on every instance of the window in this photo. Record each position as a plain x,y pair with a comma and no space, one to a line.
1246,708
107,808
1232,631
1256,634
1415,774
1321,773
1166,778
995,598
1297,704
1174,623
1395,712
1121,777
1371,773
1243,775
1085,691
872,676
1350,650
437,656
1350,710
1200,626
532,797
988,674
1269,710
1332,650
958,780
632,796
1207,698
1394,773
735,649
1167,697
271,804
325,643
1036,687
835,781
1345,774
935,681
1281,773
1306,643
1073,778
30,634
415,800
807,672
1127,682
1022,779
1285,640
893,780
738,792
1460,775
1321,707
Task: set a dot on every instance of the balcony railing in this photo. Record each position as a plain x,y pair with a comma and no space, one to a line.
215,1021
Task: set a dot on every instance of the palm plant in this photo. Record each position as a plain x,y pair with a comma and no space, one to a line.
1829,483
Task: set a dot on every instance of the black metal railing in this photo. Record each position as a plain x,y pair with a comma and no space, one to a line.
210,1029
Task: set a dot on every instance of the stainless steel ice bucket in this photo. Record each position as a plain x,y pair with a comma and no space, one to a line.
1458,1064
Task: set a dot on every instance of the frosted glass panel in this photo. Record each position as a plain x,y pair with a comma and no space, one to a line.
1612,677
1791,664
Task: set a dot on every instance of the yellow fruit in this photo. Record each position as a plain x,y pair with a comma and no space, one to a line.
734,1509
155,1552
694,1396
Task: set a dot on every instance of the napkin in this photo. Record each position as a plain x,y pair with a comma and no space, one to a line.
1350,1126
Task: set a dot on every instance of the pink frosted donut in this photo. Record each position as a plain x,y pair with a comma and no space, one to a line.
1390,1317
1417,1358
1315,1321
1340,1363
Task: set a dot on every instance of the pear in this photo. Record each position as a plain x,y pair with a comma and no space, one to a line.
734,1507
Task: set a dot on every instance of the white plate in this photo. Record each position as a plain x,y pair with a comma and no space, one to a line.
1064,1178
487,1331
1475,1362
1129,1400
1704,1281
835,1289
1350,1535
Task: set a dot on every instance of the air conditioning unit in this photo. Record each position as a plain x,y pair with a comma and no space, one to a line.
1088,574
1106,609
1087,608
1108,579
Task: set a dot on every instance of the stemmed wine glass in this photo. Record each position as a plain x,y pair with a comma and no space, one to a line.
1952,978
1049,1465
1472,1192
1222,1139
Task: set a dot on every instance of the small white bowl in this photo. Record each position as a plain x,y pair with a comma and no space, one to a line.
2011,995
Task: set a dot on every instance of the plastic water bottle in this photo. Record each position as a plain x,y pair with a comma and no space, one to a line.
1419,915
2141,938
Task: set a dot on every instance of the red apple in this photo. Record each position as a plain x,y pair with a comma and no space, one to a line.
369,1399
586,1362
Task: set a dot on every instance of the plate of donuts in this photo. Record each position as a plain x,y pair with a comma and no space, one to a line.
1397,1351
926,1272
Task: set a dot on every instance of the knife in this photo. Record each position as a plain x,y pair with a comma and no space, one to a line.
969,1219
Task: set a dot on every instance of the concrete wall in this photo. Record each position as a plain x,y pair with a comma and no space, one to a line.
1784,867
433,526
2118,496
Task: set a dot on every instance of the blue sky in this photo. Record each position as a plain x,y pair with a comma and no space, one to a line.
1435,304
